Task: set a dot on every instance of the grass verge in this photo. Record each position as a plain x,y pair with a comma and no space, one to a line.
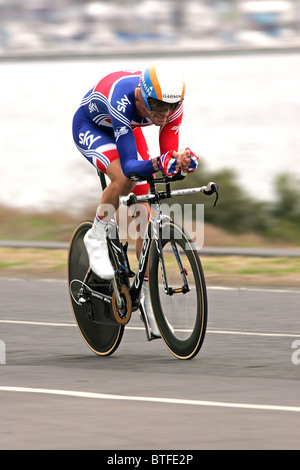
227,271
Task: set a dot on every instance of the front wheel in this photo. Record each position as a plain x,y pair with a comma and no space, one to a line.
178,298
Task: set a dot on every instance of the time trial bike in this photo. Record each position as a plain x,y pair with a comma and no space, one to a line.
177,286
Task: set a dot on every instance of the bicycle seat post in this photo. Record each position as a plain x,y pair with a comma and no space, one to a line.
102,179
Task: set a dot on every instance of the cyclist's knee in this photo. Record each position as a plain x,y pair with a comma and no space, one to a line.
119,182
122,186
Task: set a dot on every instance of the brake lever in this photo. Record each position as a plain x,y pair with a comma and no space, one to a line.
217,194
210,189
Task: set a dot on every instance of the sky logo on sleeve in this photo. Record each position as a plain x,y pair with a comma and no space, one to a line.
120,131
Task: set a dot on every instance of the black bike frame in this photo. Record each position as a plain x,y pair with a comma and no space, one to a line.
123,267
120,253
152,233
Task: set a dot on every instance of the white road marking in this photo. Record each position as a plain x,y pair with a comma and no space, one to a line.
255,289
246,289
171,401
141,328
36,323
174,401
254,333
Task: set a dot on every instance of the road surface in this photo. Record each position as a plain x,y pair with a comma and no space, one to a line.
242,391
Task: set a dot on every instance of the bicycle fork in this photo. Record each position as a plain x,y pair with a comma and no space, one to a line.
183,272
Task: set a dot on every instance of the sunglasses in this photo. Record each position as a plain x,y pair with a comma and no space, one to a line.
160,106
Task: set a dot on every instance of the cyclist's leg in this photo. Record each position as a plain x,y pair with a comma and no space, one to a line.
99,148
105,157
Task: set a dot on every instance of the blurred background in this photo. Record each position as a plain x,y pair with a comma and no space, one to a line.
82,27
242,66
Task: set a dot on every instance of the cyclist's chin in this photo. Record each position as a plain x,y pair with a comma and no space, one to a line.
159,120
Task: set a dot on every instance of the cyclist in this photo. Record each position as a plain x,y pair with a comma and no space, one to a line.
107,130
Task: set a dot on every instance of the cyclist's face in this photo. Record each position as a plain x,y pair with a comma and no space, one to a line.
159,118
160,111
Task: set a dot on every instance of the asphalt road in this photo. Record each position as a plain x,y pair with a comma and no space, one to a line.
242,391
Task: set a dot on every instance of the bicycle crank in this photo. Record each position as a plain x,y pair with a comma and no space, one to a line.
121,305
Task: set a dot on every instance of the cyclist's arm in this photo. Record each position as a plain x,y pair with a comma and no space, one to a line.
130,164
126,144
124,137
169,140
169,133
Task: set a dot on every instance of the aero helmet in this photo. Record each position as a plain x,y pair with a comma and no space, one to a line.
162,84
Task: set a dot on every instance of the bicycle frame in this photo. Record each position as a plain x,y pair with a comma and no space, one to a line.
116,299
152,233
120,252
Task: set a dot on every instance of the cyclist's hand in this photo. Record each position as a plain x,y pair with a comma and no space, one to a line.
172,162
167,163
188,161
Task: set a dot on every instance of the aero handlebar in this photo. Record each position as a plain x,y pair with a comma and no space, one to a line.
208,190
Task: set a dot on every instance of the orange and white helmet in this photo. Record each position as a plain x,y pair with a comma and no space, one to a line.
160,85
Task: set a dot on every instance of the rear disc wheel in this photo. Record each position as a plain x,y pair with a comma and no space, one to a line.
94,318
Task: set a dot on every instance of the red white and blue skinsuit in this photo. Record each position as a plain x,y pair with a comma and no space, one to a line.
106,126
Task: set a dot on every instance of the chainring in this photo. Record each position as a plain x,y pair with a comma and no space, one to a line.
123,314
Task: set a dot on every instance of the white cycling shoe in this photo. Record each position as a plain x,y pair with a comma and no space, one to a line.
98,255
